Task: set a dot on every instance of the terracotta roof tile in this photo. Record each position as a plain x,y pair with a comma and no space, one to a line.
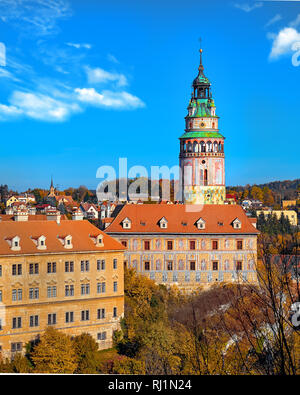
79,230
181,219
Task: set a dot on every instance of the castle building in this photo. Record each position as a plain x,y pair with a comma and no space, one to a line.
67,274
203,240
173,245
202,156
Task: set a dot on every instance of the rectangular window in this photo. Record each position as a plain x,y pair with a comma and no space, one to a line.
192,244
101,336
84,266
51,292
215,244
69,266
0,270
85,315
170,265
33,268
100,314
17,322
69,316
115,312
33,320
14,295
101,288
239,265
0,296
147,265
115,263
215,265
147,245
170,245
51,319
51,267
239,244
85,289
16,347
192,265
115,286
101,264
124,243
16,269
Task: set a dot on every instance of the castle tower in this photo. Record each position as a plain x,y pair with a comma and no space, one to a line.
202,156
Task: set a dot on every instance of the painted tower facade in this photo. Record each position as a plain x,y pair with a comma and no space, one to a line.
202,159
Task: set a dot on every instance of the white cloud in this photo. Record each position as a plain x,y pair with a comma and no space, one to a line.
79,46
39,17
273,20
283,41
109,99
247,7
99,75
38,107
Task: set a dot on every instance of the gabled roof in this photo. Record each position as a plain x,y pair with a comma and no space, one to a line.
80,232
179,214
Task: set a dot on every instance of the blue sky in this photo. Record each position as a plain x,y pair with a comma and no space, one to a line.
87,82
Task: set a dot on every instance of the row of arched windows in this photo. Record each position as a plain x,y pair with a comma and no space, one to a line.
202,146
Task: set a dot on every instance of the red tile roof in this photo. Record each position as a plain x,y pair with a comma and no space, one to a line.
79,230
38,217
182,219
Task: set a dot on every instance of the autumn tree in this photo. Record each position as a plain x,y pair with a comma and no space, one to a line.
54,353
86,348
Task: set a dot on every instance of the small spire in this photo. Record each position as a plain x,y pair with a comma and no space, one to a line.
201,68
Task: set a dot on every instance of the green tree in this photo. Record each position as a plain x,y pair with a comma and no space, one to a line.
86,350
54,353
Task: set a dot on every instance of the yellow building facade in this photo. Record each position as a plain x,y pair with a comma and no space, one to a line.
68,275
290,214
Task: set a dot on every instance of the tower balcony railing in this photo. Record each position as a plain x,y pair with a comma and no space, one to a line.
184,154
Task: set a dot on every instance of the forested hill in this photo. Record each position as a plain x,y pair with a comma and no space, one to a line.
286,189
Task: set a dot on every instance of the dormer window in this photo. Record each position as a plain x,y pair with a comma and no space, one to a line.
200,223
98,240
66,241
14,243
126,223
163,223
40,242
236,224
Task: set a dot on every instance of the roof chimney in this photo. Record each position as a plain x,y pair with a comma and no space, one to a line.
53,215
21,216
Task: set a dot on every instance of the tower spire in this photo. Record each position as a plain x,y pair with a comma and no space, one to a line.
201,67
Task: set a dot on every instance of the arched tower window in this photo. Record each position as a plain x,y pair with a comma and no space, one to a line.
202,144
205,176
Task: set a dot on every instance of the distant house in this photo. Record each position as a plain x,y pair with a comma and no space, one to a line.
251,203
63,199
11,199
89,210
106,209
230,199
247,203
